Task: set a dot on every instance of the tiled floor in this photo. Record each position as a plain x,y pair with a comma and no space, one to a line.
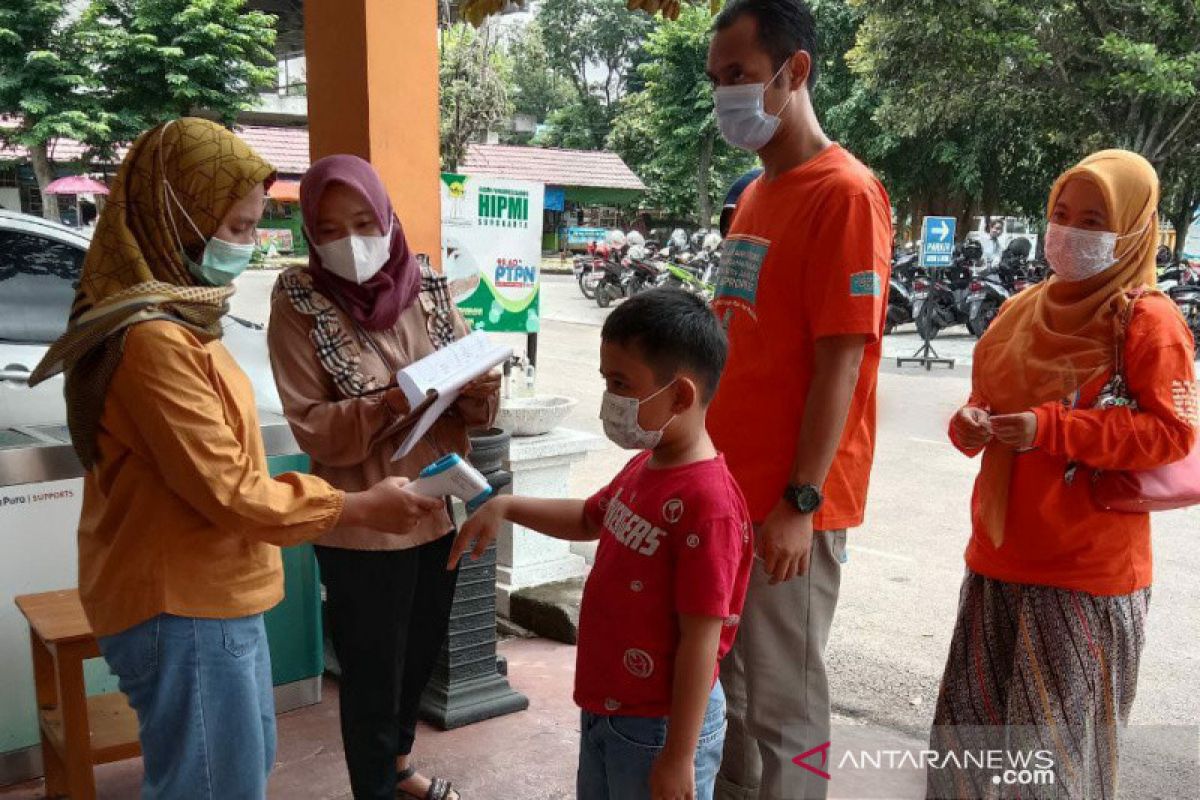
525,756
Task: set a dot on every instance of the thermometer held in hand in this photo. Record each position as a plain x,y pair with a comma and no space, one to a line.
451,475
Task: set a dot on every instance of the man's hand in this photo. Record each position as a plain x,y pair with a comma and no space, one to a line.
785,542
482,387
1018,431
972,427
479,531
673,777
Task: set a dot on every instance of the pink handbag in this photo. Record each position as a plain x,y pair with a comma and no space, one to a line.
1160,489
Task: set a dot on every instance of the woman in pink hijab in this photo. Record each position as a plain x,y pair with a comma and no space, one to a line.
340,331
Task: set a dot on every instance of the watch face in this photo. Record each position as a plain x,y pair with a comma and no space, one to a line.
807,499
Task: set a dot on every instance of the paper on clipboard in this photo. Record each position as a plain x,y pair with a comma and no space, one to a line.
432,384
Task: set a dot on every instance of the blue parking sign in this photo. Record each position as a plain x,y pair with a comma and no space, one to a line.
937,241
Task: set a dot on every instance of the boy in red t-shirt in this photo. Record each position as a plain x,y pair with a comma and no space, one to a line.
664,598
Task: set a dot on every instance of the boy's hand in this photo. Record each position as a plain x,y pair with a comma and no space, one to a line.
673,777
478,532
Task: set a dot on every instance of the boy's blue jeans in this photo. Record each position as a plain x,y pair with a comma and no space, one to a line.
616,753
206,712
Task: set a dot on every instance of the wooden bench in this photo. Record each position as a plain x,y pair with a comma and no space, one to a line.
77,731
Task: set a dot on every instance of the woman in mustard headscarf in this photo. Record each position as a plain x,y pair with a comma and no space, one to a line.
181,524
1052,612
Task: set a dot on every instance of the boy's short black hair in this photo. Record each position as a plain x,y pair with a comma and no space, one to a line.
784,28
673,331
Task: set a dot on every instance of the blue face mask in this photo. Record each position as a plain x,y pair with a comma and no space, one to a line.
222,262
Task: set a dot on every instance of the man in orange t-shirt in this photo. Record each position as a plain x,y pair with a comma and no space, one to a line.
802,293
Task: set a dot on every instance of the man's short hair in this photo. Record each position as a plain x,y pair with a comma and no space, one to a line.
784,27
673,331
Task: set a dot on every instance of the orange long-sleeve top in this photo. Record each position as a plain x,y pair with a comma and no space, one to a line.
180,514
1055,534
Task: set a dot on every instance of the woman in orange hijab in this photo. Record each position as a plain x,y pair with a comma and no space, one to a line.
1050,626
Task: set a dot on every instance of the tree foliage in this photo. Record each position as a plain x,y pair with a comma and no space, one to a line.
594,45
667,131
992,98
473,76
45,86
536,89
157,59
103,71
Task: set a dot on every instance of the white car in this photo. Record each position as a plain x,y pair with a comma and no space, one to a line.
40,262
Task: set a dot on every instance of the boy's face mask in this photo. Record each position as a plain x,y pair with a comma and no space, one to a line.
621,426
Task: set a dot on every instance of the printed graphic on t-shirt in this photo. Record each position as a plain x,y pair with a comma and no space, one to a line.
866,284
741,265
631,530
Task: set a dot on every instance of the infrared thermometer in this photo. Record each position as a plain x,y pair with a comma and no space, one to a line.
451,475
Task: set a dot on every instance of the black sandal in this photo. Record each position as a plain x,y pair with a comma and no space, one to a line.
439,788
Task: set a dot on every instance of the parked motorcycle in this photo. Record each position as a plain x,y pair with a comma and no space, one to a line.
627,277
992,286
1181,282
905,269
589,268
943,299
689,276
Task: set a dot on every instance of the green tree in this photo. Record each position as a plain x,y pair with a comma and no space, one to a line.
105,74
1009,92
667,131
44,85
593,44
474,94
537,89
1181,197
158,59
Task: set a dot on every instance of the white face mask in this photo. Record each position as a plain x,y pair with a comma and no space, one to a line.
1077,254
621,426
356,258
742,117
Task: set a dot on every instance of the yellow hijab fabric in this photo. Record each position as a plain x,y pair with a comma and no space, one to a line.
135,271
1055,338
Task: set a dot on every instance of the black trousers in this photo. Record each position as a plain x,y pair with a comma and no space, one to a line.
388,614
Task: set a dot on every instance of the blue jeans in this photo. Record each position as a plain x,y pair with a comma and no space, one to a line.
206,712
616,753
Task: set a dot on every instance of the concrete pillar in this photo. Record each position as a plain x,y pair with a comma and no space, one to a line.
373,91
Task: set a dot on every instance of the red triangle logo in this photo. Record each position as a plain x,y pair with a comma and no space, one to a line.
802,760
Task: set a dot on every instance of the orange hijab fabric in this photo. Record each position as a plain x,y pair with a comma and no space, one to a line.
1055,338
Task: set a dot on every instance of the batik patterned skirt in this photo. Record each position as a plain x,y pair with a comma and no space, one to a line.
1038,686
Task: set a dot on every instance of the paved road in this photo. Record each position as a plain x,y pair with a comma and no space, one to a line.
900,588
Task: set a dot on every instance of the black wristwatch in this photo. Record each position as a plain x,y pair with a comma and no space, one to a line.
805,497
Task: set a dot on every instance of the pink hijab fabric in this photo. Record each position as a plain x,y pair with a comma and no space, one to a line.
378,303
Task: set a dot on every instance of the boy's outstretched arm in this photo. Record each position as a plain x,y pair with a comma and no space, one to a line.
562,519
674,773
